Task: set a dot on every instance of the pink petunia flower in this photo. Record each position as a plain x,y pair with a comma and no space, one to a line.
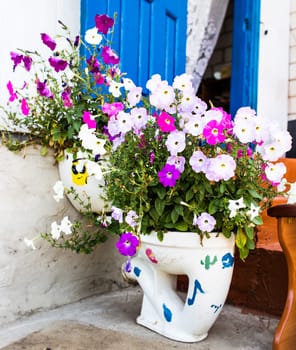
12,93
166,122
89,120
104,23
58,64
43,89
16,58
24,107
109,56
112,108
48,41
66,97
213,132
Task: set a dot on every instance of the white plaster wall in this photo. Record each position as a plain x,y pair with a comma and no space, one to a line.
46,277
274,62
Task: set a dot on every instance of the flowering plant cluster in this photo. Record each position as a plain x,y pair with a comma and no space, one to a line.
177,165
173,162
63,88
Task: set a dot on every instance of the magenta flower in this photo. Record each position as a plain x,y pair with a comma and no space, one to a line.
213,132
16,58
27,62
48,41
168,175
66,97
12,93
89,120
24,107
109,56
58,64
112,108
99,78
93,64
127,244
166,122
103,23
43,89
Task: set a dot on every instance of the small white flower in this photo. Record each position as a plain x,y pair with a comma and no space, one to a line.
235,205
128,84
253,211
29,243
55,230
66,225
114,88
131,218
58,190
92,36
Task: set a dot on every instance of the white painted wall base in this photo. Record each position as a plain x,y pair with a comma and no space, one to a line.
46,277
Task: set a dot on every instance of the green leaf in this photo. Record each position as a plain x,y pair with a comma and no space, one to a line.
189,195
161,192
44,151
243,253
255,194
249,231
181,226
159,206
153,213
212,207
240,239
257,220
222,188
174,215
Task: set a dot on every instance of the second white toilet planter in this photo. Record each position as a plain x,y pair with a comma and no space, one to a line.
209,267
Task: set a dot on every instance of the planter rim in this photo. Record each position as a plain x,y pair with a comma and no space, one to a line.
188,240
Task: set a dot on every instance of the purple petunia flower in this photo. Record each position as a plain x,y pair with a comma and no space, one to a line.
43,89
93,64
27,62
127,244
205,222
12,93
168,175
48,41
24,107
66,97
103,23
16,58
109,56
58,64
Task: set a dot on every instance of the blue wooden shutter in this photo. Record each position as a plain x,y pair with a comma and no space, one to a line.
245,52
150,35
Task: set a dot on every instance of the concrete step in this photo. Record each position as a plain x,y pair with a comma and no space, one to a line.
108,322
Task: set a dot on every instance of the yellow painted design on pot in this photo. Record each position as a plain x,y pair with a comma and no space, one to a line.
79,172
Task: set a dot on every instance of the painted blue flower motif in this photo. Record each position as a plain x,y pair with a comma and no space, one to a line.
167,313
227,260
137,271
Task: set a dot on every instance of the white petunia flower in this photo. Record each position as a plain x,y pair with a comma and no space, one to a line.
275,172
92,36
253,211
58,190
66,225
55,230
114,88
235,205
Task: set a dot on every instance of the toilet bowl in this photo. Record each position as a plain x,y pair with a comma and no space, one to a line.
208,265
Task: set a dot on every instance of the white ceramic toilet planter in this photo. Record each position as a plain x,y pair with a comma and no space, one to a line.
209,268
76,173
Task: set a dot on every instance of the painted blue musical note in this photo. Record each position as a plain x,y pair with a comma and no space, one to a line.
227,260
197,287
216,307
167,313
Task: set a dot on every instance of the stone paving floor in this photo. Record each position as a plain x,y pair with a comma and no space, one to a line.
108,322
